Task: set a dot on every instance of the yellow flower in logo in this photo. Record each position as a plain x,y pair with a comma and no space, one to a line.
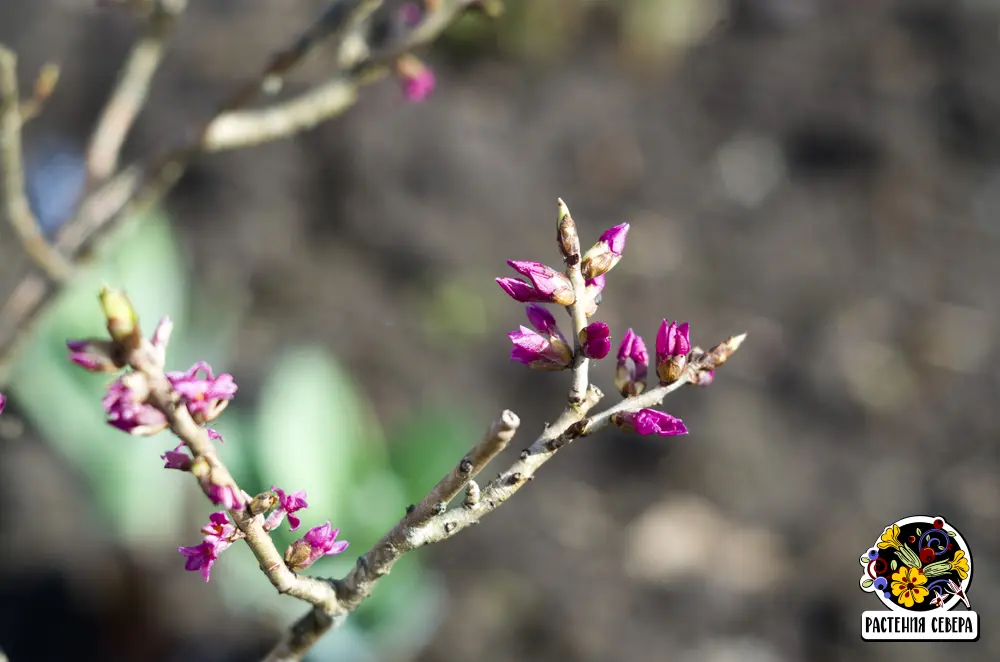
890,538
908,586
960,564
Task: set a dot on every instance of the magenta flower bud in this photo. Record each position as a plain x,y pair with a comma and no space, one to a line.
595,339
548,285
595,286
650,421
3,402
412,13
95,355
538,352
605,254
630,378
177,459
542,320
127,410
288,504
206,397
223,495
673,344
520,291
416,78
318,542
703,378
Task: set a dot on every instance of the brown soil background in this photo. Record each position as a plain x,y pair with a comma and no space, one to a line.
821,174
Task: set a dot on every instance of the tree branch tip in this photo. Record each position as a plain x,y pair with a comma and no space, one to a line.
509,419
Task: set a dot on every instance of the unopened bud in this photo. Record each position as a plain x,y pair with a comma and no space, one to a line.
721,352
263,502
297,555
605,254
566,234
95,355
122,319
472,494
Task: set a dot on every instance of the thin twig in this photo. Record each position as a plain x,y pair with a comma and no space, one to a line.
131,90
130,191
15,199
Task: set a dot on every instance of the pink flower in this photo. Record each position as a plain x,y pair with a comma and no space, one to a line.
547,284
206,396
201,557
631,379
650,421
673,344
176,459
287,504
538,352
219,528
318,542
226,496
595,339
605,254
3,402
127,410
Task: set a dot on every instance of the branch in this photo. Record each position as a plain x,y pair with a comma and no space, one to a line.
15,199
133,189
131,90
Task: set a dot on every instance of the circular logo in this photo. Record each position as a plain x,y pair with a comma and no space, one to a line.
918,564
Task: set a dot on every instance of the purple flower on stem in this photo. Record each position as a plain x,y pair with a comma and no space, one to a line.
595,339
547,284
538,352
673,344
412,13
631,379
127,410
417,78
287,505
605,254
543,321
219,529
95,355
650,421
201,557
177,459
206,397
318,542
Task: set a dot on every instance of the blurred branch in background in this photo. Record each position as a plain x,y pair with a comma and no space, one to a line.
131,90
370,35
15,197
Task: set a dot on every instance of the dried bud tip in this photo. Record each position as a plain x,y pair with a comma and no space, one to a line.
472,494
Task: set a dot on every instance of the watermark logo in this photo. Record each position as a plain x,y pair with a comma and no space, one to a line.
920,568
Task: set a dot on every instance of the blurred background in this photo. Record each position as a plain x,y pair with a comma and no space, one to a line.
823,174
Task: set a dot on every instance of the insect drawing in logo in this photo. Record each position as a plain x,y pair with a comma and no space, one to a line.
920,568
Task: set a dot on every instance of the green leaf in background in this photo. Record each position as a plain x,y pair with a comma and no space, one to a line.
313,429
424,449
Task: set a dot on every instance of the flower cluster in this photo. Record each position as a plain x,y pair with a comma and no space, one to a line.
203,395
545,347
